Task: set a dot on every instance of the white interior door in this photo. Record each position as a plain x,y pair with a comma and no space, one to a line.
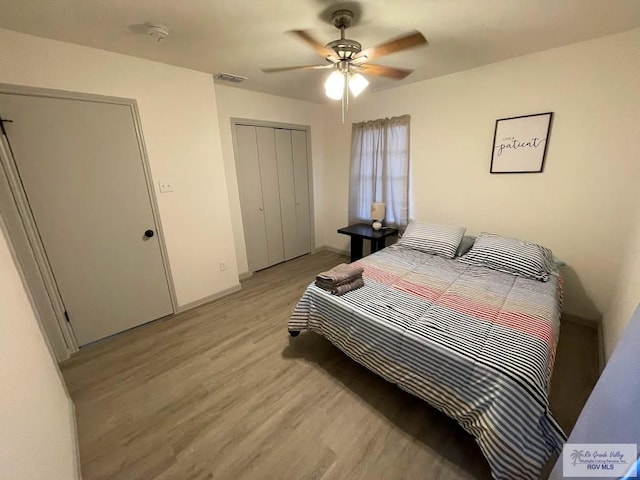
81,168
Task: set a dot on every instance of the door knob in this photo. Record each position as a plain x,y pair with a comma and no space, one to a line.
148,233
260,208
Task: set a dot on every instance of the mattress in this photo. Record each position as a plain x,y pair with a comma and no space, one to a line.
475,343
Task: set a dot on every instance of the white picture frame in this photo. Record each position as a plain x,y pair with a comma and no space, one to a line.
520,143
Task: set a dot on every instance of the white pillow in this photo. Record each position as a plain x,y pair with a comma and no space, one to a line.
432,238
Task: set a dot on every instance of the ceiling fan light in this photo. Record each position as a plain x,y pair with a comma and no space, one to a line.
334,86
357,83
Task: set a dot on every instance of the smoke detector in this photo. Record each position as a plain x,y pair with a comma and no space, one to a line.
229,77
157,31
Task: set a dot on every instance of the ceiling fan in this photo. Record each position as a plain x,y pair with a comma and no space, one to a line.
348,60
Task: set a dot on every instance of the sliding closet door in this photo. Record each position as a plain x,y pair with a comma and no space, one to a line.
287,193
301,182
270,193
291,148
250,189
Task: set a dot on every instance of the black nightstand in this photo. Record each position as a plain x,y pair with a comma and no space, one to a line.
360,231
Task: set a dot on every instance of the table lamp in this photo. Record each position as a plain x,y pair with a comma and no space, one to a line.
377,215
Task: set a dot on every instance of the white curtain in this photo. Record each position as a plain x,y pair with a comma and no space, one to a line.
380,169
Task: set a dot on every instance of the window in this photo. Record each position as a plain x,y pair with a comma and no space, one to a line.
380,169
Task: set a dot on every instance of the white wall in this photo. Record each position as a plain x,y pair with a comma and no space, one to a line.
626,290
580,207
180,125
237,103
37,437
337,148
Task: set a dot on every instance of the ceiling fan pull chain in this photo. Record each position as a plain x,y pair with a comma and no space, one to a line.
346,88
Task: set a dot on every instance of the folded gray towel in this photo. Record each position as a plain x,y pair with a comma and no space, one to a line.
329,285
340,274
344,288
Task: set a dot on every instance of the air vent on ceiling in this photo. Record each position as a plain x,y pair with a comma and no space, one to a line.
229,77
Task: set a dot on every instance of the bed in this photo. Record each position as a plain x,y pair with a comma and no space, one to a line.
476,343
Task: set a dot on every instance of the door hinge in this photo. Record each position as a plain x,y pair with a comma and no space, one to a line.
2,122
66,315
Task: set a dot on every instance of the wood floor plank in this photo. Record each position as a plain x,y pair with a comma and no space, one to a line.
222,392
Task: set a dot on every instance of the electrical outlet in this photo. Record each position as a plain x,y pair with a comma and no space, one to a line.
166,186
223,266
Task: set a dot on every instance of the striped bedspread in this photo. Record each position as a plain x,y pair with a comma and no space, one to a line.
475,343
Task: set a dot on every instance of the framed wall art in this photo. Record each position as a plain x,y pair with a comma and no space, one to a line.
520,143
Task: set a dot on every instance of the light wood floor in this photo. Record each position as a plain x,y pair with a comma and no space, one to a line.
222,392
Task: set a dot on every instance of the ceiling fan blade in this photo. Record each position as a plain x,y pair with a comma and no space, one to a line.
410,40
325,52
297,67
384,71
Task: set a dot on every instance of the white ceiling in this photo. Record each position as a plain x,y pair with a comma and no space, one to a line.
240,36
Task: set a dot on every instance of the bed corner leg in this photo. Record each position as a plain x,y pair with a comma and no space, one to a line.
294,333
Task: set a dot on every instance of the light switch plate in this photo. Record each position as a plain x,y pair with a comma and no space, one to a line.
166,186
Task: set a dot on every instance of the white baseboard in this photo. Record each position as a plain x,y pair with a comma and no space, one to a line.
327,248
597,324
76,441
210,298
602,358
245,275
570,317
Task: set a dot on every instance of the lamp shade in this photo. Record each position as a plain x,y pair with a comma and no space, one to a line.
378,211
334,86
357,83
